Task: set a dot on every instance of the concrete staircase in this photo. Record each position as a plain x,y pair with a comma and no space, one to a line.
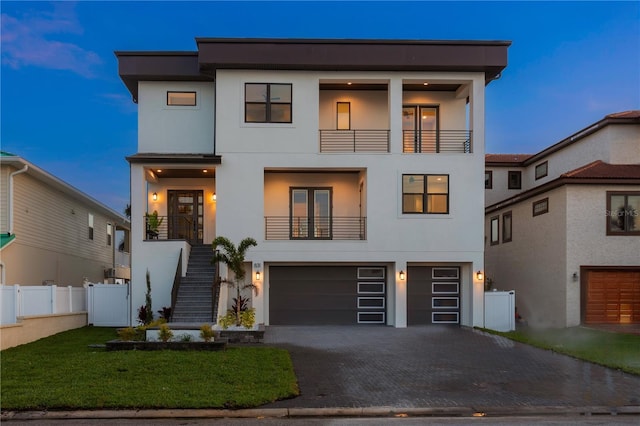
194,302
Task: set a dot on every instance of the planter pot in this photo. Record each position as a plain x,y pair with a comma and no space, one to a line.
120,345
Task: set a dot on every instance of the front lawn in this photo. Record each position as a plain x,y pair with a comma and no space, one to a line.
615,350
63,372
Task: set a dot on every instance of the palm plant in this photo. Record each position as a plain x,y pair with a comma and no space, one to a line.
234,259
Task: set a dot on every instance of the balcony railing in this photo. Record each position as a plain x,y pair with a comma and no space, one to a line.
169,228
436,141
315,228
354,140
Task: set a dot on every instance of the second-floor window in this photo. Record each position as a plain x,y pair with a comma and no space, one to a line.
109,233
90,220
542,170
488,179
310,213
181,98
425,194
515,179
623,213
267,103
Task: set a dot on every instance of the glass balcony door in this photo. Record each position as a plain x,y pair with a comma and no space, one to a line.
420,128
310,213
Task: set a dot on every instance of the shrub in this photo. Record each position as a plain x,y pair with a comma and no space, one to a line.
185,337
165,334
127,334
165,313
206,332
248,318
227,320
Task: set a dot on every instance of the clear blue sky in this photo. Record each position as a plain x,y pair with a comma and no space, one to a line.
64,108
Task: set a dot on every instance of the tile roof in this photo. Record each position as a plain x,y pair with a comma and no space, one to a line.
506,158
601,170
625,114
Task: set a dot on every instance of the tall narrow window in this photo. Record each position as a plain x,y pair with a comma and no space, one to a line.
267,103
623,213
488,179
109,233
495,230
506,227
344,116
515,179
426,194
90,226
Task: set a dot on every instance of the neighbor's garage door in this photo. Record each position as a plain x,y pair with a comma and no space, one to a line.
613,297
433,295
317,295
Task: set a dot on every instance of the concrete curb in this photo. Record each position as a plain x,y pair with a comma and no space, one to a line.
323,412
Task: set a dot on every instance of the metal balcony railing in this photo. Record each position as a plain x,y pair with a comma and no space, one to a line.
436,141
315,228
169,228
354,140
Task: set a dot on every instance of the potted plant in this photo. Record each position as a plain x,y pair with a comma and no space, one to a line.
234,258
153,224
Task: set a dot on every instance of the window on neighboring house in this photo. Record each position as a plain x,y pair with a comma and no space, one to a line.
540,207
109,233
267,103
181,98
488,179
343,119
310,213
506,227
495,230
425,194
90,226
542,170
623,213
515,179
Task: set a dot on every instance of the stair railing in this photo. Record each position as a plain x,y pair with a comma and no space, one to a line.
215,290
177,278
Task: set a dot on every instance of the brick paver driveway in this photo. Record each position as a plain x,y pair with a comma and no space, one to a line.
440,366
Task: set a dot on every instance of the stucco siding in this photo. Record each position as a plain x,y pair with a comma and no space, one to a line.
533,263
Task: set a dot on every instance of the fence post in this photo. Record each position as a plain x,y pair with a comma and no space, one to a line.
53,291
18,300
70,290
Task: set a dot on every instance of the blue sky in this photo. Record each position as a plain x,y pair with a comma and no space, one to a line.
64,108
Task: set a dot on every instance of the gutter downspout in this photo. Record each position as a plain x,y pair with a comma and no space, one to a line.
10,206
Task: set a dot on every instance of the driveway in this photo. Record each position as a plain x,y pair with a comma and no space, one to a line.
440,367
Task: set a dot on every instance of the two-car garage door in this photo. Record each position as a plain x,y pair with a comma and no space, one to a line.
612,297
324,295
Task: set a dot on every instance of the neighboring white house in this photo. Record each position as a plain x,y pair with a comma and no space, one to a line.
563,226
54,234
356,164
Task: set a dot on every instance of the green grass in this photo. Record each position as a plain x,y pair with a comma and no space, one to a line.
615,350
63,372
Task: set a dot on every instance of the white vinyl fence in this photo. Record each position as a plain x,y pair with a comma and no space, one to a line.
109,305
21,301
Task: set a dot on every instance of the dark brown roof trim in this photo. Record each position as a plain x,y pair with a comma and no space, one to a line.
146,158
556,183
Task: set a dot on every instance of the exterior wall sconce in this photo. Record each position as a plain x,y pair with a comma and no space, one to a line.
258,275
213,197
402,277
479,275
155,196
575,276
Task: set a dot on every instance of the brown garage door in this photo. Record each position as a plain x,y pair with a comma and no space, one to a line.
433,295
318,295
613,297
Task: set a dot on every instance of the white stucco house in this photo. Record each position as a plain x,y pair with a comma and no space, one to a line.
356,165
563,226
54,234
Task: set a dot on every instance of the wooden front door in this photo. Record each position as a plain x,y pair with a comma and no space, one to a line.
186,219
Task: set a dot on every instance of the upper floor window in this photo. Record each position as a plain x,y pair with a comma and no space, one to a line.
90,220
426,194
488,179
181,98
343,119
515,179
542,170
109,233
495,230
540,207
623,213
506,227
267,103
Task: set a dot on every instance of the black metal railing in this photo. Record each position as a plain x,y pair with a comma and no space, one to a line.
437,141
354,140
177,279
169,228
215,290
315,228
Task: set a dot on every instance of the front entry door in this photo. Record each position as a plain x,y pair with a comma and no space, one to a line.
186,221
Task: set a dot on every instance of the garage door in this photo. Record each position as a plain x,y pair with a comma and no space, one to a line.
318,295
433,295
613,297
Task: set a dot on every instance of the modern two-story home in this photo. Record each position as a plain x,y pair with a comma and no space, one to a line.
563,226
54,234
356,165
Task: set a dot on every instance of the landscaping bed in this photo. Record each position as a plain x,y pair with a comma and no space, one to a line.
137,345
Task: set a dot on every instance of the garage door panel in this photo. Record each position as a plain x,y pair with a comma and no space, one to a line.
613,297
433,300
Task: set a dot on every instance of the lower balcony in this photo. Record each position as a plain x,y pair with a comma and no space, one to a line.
315,228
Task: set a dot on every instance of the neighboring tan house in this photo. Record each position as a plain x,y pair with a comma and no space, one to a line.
52,233
563,226
356,164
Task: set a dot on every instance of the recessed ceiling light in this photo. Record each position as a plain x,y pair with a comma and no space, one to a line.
159,170
205,171
349,84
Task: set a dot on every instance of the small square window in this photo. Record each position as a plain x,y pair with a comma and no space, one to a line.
623,213
267,103
181,98
488,179
542,170
425,194
541,207
515,179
